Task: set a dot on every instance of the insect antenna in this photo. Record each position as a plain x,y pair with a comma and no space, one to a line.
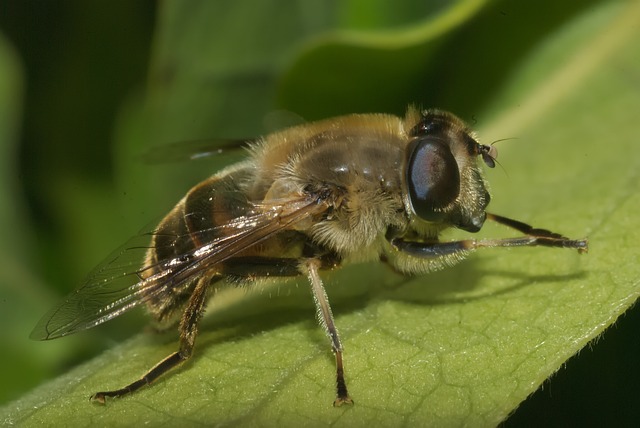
489,153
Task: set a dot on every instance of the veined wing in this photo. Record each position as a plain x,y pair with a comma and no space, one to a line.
195,149
214,147
120,283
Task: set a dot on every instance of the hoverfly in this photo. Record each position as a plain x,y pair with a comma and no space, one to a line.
356,188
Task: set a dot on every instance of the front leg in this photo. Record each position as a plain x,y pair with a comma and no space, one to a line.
533,237
546,237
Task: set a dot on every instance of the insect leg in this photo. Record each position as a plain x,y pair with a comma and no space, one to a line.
547,238
188,332
534,237
325,318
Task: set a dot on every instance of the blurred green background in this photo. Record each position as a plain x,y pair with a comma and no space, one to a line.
88,86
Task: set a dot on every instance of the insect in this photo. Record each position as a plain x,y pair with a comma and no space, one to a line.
356,188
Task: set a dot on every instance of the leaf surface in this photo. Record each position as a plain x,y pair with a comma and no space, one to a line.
459,347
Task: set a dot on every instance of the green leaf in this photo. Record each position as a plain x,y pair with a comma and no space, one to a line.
459,347
21,366
350,65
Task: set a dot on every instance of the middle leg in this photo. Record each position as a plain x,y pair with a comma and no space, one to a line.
325,318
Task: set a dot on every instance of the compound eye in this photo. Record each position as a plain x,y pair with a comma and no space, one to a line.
433,178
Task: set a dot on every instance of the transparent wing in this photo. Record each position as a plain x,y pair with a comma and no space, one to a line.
110,289
120,283
196,149
274,121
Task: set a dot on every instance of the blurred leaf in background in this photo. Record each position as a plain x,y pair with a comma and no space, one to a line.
67,69
464,346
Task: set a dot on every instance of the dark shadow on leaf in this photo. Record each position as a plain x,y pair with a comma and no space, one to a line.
349,290
457,287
